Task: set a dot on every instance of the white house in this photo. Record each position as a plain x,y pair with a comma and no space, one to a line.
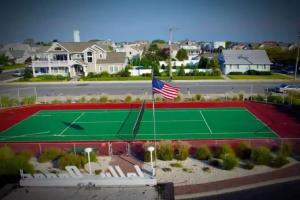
132,50
218,44
192,48
244,60
77,58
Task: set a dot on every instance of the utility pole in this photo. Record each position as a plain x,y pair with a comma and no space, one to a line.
297,59
170,48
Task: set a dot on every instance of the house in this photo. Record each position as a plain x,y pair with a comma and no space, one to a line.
244,60
18,52
132,50
219,44
193,49
77,58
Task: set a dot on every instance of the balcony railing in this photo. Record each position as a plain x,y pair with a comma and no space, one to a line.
55,63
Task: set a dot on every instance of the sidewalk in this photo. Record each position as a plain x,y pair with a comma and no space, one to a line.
236,184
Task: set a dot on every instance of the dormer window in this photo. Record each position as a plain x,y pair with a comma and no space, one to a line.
57,49
89,56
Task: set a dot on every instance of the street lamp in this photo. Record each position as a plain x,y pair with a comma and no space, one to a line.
88,151
151,149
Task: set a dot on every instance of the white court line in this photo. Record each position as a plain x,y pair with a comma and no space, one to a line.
95,122
24,135
205,122
263,123
224,133
71,124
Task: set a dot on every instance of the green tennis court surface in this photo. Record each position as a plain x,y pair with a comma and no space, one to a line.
177,124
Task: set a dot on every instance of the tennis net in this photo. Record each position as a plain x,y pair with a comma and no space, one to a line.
137,123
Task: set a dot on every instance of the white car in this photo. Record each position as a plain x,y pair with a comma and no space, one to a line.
286,87
18,73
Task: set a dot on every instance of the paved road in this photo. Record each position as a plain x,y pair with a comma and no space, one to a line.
132,88
281,191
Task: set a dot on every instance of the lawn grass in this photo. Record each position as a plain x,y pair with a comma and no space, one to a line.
268,77
15,66
138,78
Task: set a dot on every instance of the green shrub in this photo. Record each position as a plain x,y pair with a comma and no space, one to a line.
223,150
285,150
165,151
241,96
26,154
55,101
8,102
261,156
69,100
182,152
215,162
82,100
93,100
103,99
71,159
137,99
236,73
198,97
6,153
178,98
203,153
128,99
28,100
279,161
93,156
248,165
10,163
230,161
49,154
187,170
147,156
177,165
98,171
243,150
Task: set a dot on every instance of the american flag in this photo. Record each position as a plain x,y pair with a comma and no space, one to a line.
166,90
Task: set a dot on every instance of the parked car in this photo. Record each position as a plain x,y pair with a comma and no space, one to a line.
18,73
283,87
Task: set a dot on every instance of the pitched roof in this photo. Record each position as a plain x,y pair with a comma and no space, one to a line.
81,46
113,57
17,53
246,57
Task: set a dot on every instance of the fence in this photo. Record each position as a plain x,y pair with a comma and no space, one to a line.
136,148
91,93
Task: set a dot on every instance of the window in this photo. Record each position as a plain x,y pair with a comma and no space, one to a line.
100,68
116,69
89,56
111,69
57,49
100,55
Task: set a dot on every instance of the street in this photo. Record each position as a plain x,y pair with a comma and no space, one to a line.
137,88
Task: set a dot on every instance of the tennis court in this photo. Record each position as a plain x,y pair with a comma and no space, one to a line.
131,124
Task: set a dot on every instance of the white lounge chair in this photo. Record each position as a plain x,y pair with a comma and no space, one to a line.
138,171
112,171
74,171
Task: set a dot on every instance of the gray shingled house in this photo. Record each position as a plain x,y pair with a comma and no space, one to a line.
244,60
77,58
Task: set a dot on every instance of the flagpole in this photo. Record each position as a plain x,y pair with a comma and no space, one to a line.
154,126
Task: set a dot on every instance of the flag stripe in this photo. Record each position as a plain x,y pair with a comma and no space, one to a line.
166,90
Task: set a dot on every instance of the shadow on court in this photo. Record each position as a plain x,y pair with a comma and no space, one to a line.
74,126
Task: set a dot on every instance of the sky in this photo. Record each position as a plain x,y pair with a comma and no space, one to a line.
129,20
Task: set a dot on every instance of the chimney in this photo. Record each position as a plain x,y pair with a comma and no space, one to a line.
76,36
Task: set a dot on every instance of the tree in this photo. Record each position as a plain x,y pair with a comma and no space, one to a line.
182,54
3,59
159,41
181,71
213,64
203,62
156,71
